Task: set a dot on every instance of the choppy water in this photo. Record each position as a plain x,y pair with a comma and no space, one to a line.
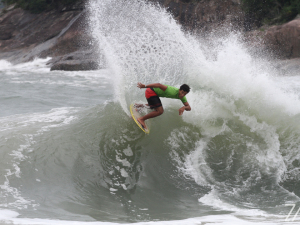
70,153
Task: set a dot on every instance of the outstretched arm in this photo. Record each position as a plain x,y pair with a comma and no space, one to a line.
186,107
156,85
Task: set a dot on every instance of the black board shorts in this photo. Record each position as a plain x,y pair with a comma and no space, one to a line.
152,98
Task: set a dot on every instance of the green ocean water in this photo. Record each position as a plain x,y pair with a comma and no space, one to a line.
70,153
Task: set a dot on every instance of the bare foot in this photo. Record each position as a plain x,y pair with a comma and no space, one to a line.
138,105
142,122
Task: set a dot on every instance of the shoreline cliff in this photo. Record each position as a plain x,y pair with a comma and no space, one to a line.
63,34
60,34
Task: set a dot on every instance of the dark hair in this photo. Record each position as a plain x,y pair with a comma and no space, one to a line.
185,88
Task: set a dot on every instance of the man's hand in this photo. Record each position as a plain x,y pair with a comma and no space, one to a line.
155,85
186,107
181,110
140,85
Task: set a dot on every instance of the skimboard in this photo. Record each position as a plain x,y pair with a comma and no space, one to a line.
135,115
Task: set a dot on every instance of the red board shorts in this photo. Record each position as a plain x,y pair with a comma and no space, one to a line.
152,98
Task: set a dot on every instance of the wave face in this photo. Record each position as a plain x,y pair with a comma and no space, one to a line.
239,144
73,153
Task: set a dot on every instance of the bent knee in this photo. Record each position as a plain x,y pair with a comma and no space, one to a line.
161,111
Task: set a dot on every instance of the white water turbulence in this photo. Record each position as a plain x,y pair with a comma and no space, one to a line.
70,153
241,139
138,41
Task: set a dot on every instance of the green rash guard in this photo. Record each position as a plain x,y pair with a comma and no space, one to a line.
170,92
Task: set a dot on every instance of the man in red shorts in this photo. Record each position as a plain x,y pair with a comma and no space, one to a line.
154,91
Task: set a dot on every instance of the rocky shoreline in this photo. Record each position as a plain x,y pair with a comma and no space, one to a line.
59,34
62,34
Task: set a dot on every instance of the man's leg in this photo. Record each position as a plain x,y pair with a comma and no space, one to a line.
157,112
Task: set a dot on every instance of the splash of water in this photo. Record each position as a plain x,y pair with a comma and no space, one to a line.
245,120
141,42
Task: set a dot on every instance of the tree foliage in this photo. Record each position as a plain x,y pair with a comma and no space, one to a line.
271,11
37,6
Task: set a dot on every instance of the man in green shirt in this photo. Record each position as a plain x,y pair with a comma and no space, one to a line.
154,91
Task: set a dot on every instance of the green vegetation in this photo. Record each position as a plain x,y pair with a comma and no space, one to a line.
37,6
262,12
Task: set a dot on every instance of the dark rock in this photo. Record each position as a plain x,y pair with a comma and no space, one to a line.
285,39
75,65
79,60
205,16
60,34
50,33
6,32
282,41
77,6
